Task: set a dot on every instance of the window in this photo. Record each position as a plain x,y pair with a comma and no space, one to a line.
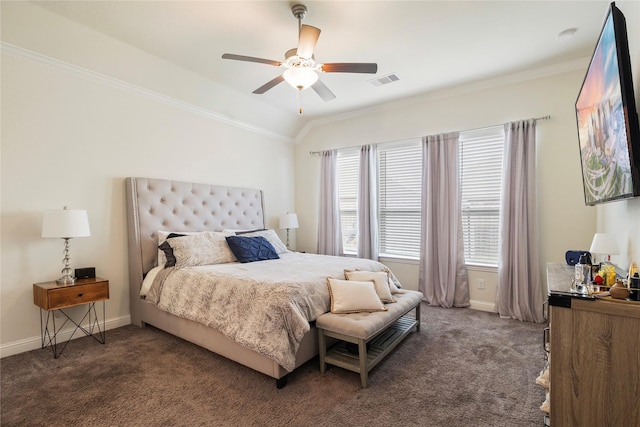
399,196
480,181
348,168
399,199
400,190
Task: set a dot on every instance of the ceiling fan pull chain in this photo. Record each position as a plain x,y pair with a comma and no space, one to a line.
300,101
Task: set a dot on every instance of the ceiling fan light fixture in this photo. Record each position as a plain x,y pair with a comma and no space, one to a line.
300,77
301,69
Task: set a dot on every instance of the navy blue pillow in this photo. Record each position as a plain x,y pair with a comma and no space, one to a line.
250,249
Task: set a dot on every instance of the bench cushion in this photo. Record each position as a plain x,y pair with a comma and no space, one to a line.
365,325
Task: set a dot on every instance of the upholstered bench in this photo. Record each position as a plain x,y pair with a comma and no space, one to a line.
381,330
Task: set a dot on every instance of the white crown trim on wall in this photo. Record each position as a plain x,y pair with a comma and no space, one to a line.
104,79
535,73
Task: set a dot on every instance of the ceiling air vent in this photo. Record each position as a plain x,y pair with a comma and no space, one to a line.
389,78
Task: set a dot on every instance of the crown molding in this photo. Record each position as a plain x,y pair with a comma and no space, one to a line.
22,53
19,52
533,74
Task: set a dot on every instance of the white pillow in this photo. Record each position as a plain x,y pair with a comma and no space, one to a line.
206,248
148,280
162,236
234,231
271,236
349,296
380,281
394,283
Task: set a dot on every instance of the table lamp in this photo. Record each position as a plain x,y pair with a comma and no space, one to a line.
65,224
605,245
288,221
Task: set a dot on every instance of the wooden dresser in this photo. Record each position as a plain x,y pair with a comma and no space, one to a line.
595,360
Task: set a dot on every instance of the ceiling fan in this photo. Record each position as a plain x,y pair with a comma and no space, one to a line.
301,67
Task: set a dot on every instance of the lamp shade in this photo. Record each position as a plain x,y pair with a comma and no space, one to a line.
289,220
65,223
604,244
300,77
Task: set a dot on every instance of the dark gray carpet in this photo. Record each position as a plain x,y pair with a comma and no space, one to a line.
465,368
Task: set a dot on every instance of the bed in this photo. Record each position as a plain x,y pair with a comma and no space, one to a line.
157,206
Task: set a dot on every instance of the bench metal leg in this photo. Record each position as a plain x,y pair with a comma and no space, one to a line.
418,317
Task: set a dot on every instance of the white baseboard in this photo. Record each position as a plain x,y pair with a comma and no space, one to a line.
35,343
483,306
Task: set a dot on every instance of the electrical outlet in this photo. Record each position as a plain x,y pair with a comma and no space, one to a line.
480,283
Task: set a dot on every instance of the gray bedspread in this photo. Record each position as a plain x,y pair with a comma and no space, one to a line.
265,306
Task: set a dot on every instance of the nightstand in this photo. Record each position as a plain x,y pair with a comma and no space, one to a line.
54,298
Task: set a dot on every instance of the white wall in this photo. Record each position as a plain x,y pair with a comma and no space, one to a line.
622,218
81,111
70,135
564,220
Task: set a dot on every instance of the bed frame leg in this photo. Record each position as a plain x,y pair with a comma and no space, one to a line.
281,382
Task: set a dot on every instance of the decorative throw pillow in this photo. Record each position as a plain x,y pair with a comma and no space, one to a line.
394,283
250,249
349,296
380,281
268,234
163,235
206,248
166,248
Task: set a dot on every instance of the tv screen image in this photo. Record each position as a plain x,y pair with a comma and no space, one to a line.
607,119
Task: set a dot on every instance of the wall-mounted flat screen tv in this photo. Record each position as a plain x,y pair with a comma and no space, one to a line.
607,119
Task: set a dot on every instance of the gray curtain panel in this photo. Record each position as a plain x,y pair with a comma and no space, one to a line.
329,228
519,293
368,203
443,276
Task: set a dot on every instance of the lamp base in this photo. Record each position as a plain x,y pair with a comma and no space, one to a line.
66,280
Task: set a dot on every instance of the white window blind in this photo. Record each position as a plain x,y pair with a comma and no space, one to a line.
348,171
399,199
480,172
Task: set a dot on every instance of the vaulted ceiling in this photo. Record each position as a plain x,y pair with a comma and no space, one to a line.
428,45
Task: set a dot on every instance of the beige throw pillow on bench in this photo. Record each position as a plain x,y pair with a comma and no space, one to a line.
380,280
349,296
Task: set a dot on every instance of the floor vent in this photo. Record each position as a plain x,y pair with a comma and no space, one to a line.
389,78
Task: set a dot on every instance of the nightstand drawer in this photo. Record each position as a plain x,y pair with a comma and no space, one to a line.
51,296
75,295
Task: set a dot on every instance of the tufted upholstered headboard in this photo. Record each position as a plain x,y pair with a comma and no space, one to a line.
158,204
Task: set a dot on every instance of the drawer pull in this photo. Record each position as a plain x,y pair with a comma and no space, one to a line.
80,295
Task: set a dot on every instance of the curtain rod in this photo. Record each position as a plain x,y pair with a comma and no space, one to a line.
547,117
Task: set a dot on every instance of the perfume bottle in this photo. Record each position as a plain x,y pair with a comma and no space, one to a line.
582,276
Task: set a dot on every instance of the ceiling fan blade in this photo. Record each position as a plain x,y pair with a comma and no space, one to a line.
322,90
268,85
251,59
307,41
350,67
